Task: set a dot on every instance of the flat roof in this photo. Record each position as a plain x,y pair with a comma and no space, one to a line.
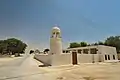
93,46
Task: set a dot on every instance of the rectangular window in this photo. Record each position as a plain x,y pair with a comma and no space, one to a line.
67,51
105,57
63,51
79,51
85,51
93,51
108,57
114,57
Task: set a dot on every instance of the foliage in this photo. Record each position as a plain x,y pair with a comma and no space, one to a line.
101,43
75,44
83,44
12,45
98,43
31,51
46,50
113,41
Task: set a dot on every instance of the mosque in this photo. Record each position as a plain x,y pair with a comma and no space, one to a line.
89,54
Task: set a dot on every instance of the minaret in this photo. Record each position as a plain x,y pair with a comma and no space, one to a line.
55,41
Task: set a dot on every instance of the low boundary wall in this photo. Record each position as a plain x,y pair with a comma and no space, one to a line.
87,58
62,59
54,60
66,59
45,59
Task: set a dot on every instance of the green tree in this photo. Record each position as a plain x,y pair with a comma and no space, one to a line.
113,41
95,44
3,47
31,51
98,43
46,50
16,46
12,45
101,43
83,44
74,45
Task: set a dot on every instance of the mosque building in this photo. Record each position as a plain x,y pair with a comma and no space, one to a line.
89,54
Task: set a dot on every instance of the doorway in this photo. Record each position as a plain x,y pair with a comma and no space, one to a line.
74,58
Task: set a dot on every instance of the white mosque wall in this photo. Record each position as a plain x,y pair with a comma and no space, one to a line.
107,50
62,59
54,60
87,58
44,58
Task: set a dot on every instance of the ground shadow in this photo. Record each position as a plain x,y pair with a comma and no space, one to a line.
44,65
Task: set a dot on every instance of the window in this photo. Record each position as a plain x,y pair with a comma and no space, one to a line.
58,34
53,34
67,51
63,51
114,57
105,57
79,51
85,51
108,57
93,51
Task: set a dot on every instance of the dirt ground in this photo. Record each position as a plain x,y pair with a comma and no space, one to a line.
96,71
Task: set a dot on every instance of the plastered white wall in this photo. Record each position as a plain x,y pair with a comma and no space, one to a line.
106,50
46,59
84,58
62,59
55,46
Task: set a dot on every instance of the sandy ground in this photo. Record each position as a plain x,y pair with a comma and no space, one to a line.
102,71
7,59
29,70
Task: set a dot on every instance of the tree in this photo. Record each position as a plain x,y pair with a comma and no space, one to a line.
3,46
113,41
83,44
74,45
98,43
46,50
12,45
101,43
31,51
95,44
15,45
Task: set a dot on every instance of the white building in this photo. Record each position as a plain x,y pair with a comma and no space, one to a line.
98,53
79,55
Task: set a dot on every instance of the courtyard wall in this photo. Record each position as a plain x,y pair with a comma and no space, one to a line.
44,58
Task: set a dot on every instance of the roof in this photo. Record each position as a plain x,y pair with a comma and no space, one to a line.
94,46
56,28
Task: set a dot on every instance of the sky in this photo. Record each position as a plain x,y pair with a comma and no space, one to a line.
79,20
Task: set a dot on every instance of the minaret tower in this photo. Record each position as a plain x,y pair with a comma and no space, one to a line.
55,41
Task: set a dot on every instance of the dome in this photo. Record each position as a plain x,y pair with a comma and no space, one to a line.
56,28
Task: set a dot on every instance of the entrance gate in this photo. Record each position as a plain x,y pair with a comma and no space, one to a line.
74,57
